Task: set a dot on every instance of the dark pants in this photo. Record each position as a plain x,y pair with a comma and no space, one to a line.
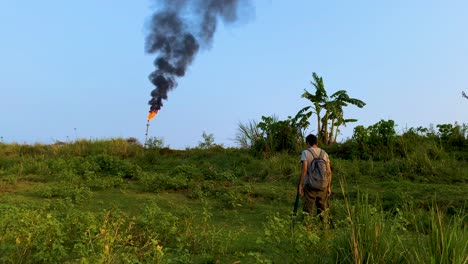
314,198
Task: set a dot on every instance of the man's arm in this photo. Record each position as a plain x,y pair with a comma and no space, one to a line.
330,174
300,187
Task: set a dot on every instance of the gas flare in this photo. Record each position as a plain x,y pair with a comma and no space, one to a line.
152,114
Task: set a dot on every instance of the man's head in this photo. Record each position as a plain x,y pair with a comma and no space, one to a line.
311,140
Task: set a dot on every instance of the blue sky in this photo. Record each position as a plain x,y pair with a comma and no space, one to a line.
78,69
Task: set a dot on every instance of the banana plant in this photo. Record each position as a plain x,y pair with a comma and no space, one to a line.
318,99
328,125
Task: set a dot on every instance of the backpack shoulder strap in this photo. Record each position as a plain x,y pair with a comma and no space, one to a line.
321,154
311,152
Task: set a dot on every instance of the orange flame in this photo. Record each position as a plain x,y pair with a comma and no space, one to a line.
152,114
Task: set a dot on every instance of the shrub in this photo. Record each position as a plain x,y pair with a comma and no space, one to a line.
158,224
230,199
188,171
285,245
278,135
199,236
287,166
154,143
208,141
156,182
31,236
116,239
65,190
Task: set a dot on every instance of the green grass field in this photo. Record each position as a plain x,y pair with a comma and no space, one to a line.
112,201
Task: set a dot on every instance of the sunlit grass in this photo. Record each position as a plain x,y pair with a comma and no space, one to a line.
218,206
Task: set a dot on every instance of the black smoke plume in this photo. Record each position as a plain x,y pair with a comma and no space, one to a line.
177,31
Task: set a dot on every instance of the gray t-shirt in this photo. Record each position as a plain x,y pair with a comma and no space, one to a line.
306,155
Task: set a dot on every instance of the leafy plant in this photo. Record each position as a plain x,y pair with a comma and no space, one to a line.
155,143
329,123
286,245
31,236
208,141
279,135
248,134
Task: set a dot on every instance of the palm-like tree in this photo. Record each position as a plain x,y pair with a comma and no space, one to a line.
335,116
333,107
318,99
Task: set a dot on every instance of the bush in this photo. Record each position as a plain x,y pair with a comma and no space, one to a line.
156,223
30,236
65,190
114,238
285,244
157,182
188,171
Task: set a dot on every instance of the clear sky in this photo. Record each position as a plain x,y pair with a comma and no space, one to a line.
78,69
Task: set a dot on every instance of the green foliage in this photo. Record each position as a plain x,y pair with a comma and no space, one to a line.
96,165
65,190
282,167
382,133
157,182
278,135
208,141
453,136
375,141
381,142
329,123
116,147
230,199
248,134
199,236
114,238
114,166
31,237
157,223
155,143
290,245
446,241
370,237
180,177
95,202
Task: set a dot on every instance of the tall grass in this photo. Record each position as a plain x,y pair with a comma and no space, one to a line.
371,237
376,236
222,205
444,240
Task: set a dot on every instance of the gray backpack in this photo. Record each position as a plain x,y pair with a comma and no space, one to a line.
317,172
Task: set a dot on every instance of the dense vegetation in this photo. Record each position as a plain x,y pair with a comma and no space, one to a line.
397,198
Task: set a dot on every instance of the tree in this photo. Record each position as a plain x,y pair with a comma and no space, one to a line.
464,95
328,125
318,99
208,141
335,114
280,135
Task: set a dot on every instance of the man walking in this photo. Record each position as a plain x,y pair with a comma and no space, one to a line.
316,176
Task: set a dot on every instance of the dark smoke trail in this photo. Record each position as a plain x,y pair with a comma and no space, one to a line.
177,31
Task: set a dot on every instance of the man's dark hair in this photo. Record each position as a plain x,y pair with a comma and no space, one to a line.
311,140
